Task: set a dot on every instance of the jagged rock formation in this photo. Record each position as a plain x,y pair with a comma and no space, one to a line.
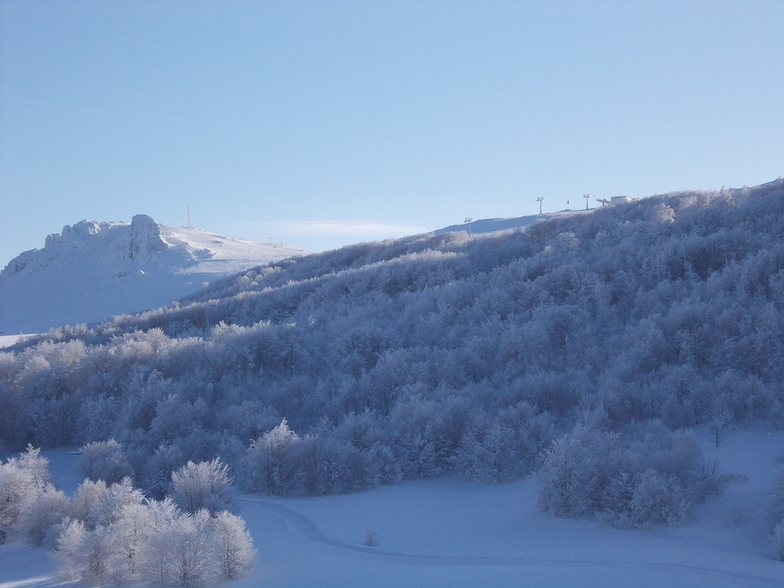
93,270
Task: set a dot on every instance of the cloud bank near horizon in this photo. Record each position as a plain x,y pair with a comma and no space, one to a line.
330,228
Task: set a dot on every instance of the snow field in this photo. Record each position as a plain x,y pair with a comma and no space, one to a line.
447,532
451,533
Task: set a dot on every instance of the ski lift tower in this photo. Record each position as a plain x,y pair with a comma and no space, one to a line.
468,220
539,200
586,196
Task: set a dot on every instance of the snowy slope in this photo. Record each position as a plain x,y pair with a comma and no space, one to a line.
446,532
493,225
93,270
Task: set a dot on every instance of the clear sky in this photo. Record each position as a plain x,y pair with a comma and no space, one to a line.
327,122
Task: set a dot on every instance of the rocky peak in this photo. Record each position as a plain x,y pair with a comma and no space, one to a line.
143,242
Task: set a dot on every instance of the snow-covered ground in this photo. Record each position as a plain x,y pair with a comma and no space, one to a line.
93,270
8,340
494,225
448,532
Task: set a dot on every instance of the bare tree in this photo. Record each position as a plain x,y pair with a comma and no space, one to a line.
719,425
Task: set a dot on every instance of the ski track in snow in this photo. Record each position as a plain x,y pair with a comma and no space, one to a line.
312,532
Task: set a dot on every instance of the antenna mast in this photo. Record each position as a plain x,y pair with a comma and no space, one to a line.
189,216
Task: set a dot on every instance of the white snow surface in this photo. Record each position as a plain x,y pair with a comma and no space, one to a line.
488,226
450,533
93,270
8,340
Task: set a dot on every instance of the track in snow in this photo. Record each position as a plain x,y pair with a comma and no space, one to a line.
312,532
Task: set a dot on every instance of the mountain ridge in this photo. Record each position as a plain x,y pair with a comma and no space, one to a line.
93,270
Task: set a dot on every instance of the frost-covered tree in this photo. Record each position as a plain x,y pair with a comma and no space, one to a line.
69,552
777,542
104,460
776,498
205,485
428,433
658,500
271,462
180,554
384,466
176,417
565,479
775,514
43,511
129,532
330,466
154,559
22,481
15,486
85,502
88,557
325,467
97,504
232,545
491,454
160,467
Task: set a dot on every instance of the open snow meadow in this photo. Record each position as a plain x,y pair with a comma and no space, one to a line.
450,532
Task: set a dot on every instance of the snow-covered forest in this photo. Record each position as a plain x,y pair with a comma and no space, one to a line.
581,349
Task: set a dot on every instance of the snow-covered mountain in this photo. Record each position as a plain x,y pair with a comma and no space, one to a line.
93,270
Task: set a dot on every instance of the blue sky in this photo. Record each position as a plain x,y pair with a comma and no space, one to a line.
327,123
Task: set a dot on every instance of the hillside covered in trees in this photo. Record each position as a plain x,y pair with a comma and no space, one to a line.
581,348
